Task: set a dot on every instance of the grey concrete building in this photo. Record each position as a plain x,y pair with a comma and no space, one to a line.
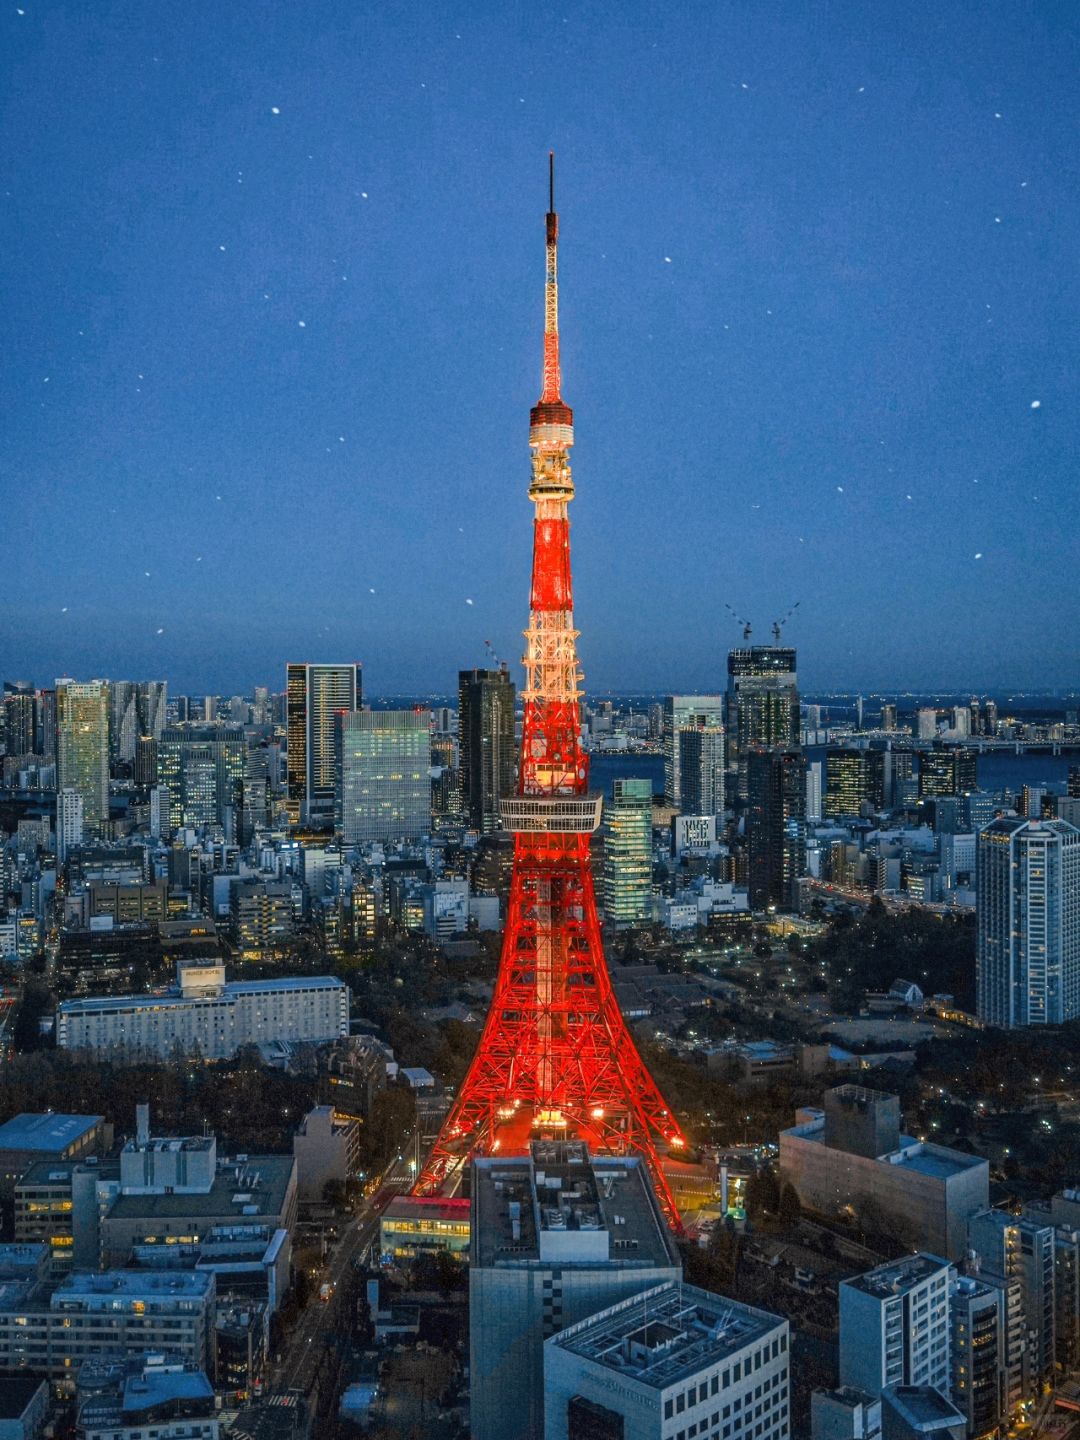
853,1156
555,1237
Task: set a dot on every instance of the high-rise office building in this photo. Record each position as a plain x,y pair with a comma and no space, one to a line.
383,775
146,749
762,703
926,724
888,716
17,719
686,712
628,853
202,769
69,823
990,713
977,1353
134,709
486,701
775,826
315,693
1011,1247
82,747
45,724
260,711
853,778
814,810
701,769
947,770
1028,922
894,1325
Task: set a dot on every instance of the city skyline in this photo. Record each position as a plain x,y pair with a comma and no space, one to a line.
845,292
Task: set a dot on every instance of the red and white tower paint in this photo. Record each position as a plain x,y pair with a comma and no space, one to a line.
555,1058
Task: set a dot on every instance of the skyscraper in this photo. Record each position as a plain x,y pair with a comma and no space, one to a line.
134,709
69,823
686,712
1028,922
762,703
201,767
847,781
82,744
315,693
775,826
947,770
485,744
383,775
628,853
701,769
888,716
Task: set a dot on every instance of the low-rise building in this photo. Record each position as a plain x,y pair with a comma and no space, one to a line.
414,1225
207,1015
852,1159
151,1395
27,1138
326,1147
24,1407
122,1311
672,1360
845,1414
909,1411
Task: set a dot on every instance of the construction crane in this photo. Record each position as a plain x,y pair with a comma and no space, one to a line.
778,625
491,651
744,623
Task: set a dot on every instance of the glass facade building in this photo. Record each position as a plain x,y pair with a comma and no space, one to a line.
202,769
313,696
686,712
82,747
628,853
486,700
382,787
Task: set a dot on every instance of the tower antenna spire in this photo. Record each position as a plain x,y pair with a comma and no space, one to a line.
551,182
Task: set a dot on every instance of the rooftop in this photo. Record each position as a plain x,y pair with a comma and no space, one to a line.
920,1156
559,1204
242,1190
232,989
922,1405
134,1285
59,1172
668,1333
898,1276
428,1207
16,1394
49,1133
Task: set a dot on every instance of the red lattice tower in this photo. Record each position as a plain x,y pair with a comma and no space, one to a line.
555,1057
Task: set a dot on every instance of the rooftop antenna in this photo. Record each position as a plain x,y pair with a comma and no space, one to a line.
778,625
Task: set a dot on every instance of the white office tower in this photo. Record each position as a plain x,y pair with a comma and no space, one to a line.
557,1235
1028,922
672,1360
813,792
69,823
927,724
894,1325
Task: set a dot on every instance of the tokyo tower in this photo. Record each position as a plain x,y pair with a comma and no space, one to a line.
555,1058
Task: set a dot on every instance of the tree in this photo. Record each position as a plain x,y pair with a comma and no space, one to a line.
762,1193
790,1205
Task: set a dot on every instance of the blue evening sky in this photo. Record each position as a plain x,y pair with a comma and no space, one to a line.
273,297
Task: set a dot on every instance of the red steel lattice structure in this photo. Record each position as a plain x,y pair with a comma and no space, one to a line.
555,1057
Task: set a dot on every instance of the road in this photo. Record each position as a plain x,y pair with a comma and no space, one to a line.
306,1348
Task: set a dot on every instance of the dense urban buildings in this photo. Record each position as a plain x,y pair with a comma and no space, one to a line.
314,695
1028,945
486,749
